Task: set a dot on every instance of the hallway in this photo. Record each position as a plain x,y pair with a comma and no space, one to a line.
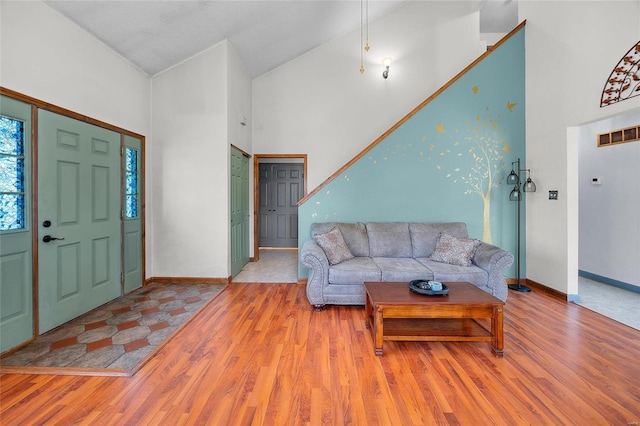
274,266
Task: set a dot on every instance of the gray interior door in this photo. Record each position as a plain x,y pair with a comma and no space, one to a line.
79,225
281,187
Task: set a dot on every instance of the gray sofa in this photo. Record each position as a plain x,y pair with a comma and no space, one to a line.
396,251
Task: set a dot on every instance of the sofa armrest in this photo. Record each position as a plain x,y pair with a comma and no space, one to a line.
495,261
314,258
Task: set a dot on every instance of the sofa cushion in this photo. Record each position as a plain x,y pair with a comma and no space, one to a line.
445,272
334,246
402,269
454,250
354,271
354,234
389,239
424,236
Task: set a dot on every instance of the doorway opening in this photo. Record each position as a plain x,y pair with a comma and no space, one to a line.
279,183
605,242
275,266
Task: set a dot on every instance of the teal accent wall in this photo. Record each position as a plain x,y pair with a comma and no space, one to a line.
448,162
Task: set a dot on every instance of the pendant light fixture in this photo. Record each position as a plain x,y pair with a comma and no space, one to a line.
364,31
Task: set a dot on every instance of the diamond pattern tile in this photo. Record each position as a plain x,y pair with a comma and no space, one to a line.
96,334
98,344
119,334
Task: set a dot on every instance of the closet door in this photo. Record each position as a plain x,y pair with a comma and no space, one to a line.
239,211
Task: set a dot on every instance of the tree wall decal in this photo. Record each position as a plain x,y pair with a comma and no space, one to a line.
485,143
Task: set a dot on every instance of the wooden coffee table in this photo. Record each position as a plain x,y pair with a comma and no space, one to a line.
394,312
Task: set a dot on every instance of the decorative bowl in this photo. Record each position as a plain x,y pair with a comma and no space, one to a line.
424,287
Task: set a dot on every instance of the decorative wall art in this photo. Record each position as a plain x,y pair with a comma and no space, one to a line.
624,81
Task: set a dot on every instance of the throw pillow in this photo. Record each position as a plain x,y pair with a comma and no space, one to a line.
454,250
333,244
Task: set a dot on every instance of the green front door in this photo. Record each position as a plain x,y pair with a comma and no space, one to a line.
79,226
16,286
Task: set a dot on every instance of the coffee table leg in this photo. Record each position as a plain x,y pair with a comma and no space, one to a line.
497,332
368,309
378,331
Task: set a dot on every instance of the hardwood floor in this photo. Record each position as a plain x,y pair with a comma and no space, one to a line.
259,354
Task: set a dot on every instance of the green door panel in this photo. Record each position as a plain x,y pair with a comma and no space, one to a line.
78,203
133,184
16,283
239,211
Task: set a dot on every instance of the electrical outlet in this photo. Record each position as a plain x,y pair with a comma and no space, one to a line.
553,195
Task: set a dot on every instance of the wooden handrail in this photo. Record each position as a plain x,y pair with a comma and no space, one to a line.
411,114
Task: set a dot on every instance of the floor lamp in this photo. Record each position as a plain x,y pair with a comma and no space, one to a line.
516,195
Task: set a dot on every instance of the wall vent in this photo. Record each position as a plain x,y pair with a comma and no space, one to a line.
628,134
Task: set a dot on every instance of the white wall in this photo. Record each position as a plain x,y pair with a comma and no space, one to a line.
190,168
609,239
239,101
570,52
47,57
321,105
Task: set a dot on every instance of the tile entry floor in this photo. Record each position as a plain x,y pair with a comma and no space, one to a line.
120,334
273,266
613,302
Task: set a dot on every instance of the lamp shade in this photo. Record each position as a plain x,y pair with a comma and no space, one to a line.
515,194
529,186
512,179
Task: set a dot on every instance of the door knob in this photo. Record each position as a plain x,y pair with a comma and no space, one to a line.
48,238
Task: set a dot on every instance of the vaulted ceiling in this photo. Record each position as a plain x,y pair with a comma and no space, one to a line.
155,35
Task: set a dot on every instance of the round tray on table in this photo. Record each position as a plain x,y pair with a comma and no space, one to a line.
422,287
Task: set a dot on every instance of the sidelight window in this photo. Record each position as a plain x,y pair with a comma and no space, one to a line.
131,183
12,174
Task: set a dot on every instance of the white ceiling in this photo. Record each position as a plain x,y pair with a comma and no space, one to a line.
155,35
